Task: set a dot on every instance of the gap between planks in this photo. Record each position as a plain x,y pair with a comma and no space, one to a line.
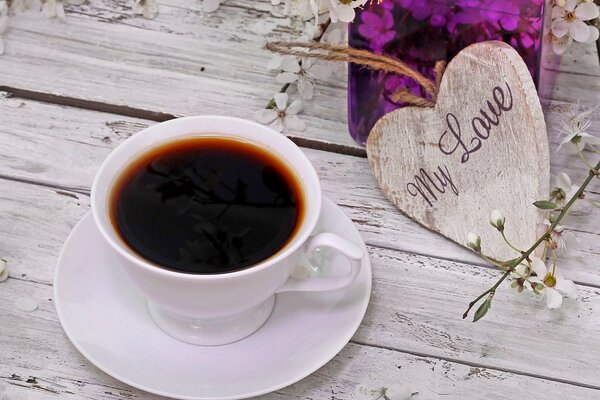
477,365
157,116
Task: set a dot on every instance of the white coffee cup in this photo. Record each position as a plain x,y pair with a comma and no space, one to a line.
222,308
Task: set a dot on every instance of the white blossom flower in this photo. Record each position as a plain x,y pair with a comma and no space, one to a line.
560,237
555,285
574,128
147,8
343,10
497,219
54,9
563,189
323,70
474,242
3,270
283,115
569,20
520,277
211,5
299,72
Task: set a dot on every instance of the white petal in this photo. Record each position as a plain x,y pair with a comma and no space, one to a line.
49,9
322,70
579,31
522,270
567,287
559,45
587,11
345,13
211,5
539,267
294,123
150,9
60,11
265,116
571,4
286,77
294,108
594,33
587,138
560,27
306,64
275,62
563,181
558,12
281,100
306,88
1,46
26,304
398,392
553,298
290,64
137,8
277,125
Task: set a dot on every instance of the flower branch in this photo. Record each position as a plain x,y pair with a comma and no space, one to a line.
528,270
526,254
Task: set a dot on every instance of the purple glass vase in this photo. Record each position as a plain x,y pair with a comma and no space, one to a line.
421,32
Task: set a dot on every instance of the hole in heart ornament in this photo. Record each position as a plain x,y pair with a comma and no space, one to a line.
483,146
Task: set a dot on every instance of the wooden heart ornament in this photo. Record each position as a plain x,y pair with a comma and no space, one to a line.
482,147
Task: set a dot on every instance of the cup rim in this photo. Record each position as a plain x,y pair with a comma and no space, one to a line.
309,221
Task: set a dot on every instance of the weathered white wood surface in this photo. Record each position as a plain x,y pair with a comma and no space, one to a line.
417,300
418,324
412,332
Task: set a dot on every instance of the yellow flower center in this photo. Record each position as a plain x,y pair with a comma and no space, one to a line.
550,280
570,16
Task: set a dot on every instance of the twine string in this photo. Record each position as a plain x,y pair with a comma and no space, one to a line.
342,53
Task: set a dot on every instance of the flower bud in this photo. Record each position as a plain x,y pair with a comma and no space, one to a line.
497,220
474,242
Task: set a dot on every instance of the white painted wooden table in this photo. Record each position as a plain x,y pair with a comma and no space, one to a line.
72,92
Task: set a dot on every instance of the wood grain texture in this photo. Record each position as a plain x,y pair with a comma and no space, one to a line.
448,166
63,147
187,62
215,64
409,316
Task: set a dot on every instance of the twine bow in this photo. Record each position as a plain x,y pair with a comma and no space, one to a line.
333,52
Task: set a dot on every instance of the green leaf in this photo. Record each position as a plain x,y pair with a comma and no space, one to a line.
545,205
483,308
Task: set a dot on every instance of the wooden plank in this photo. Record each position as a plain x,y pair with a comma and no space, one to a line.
187,62
64,147
39,363
415,308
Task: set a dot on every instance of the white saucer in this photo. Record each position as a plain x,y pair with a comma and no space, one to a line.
107,320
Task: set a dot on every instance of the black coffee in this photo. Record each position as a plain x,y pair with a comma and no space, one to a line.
207,205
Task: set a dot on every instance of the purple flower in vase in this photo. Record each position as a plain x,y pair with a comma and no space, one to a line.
378,29
506,13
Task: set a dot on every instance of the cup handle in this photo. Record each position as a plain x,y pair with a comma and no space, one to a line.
352,252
